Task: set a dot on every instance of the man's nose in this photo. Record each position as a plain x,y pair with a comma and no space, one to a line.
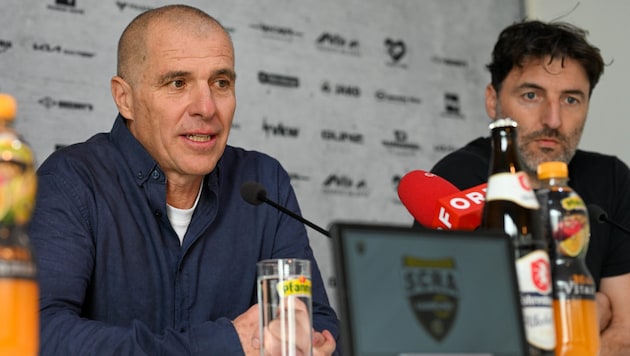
203,103
552,116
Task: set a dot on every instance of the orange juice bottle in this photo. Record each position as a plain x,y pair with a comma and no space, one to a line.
565,218
19,310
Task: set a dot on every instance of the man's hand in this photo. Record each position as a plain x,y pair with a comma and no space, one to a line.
323,343
246,326
294,314
615,338
604,310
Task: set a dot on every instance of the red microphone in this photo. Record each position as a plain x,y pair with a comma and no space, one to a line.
436,203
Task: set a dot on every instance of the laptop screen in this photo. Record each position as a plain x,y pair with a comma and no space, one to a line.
405,291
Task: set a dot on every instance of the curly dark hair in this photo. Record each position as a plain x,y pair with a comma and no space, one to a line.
529,39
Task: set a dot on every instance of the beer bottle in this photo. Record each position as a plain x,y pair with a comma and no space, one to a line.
567,228
511,206
19,309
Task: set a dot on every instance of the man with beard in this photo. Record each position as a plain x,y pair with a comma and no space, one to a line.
543,75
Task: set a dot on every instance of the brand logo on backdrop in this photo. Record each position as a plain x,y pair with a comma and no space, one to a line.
432,291
50,103
278,80
452,106
341,136
49,48
341,89
339,184
382,95
444,148
5,45
277,32
280,130
449,61
65,6
401,145
333,42
122,5
297,177
396,50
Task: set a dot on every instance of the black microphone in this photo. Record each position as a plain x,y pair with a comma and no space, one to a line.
255,194
597,213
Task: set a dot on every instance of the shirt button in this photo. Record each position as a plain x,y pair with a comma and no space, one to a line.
155,175
139,175
157,213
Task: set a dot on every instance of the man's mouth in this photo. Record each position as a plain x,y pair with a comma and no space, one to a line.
199,138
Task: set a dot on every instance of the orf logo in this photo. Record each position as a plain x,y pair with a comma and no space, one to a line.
433,294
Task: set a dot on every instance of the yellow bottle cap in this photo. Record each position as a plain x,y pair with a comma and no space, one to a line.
553,169
8,107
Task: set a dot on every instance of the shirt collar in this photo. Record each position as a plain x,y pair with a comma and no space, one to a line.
138,159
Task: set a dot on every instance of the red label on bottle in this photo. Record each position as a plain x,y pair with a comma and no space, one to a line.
540,275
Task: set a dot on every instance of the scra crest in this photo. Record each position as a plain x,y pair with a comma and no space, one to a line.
432,292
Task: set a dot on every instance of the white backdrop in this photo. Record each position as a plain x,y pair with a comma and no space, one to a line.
349,95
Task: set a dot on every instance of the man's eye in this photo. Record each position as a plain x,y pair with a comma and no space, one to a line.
572,100
177,83
530,95
222,83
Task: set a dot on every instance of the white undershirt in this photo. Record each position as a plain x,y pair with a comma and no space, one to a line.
180,218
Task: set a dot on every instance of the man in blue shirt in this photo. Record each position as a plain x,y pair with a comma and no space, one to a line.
143,243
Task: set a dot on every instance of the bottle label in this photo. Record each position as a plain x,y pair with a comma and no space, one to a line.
513,187
300,286
17,269
534,281
573,286
570,226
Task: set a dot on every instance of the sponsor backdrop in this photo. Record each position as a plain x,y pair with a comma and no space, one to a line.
348,95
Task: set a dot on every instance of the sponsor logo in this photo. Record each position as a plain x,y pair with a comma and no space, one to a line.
401,144
431,286
332,42
449,61
444,148
122,5
382,95
280,130
297,177
277,32
396,50
341,136
452,106
344,185
278,80
65,6
5,45
341,89
50,103
48,48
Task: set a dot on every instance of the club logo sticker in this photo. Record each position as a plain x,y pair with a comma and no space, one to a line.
433,293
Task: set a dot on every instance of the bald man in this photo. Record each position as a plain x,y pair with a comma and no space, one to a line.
143,244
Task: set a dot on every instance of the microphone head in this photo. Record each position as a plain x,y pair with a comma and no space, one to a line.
253,192
597,213
419,191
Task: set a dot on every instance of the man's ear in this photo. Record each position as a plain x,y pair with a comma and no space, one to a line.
491,101
121,92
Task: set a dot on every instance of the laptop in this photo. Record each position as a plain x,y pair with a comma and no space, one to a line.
411,292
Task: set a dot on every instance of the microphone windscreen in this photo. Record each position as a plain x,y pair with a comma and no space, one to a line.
252,192
419,191
596,212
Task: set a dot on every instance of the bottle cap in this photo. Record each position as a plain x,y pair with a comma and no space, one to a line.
553,169
505,122
8,107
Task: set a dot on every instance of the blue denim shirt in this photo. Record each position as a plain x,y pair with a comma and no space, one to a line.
113,277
